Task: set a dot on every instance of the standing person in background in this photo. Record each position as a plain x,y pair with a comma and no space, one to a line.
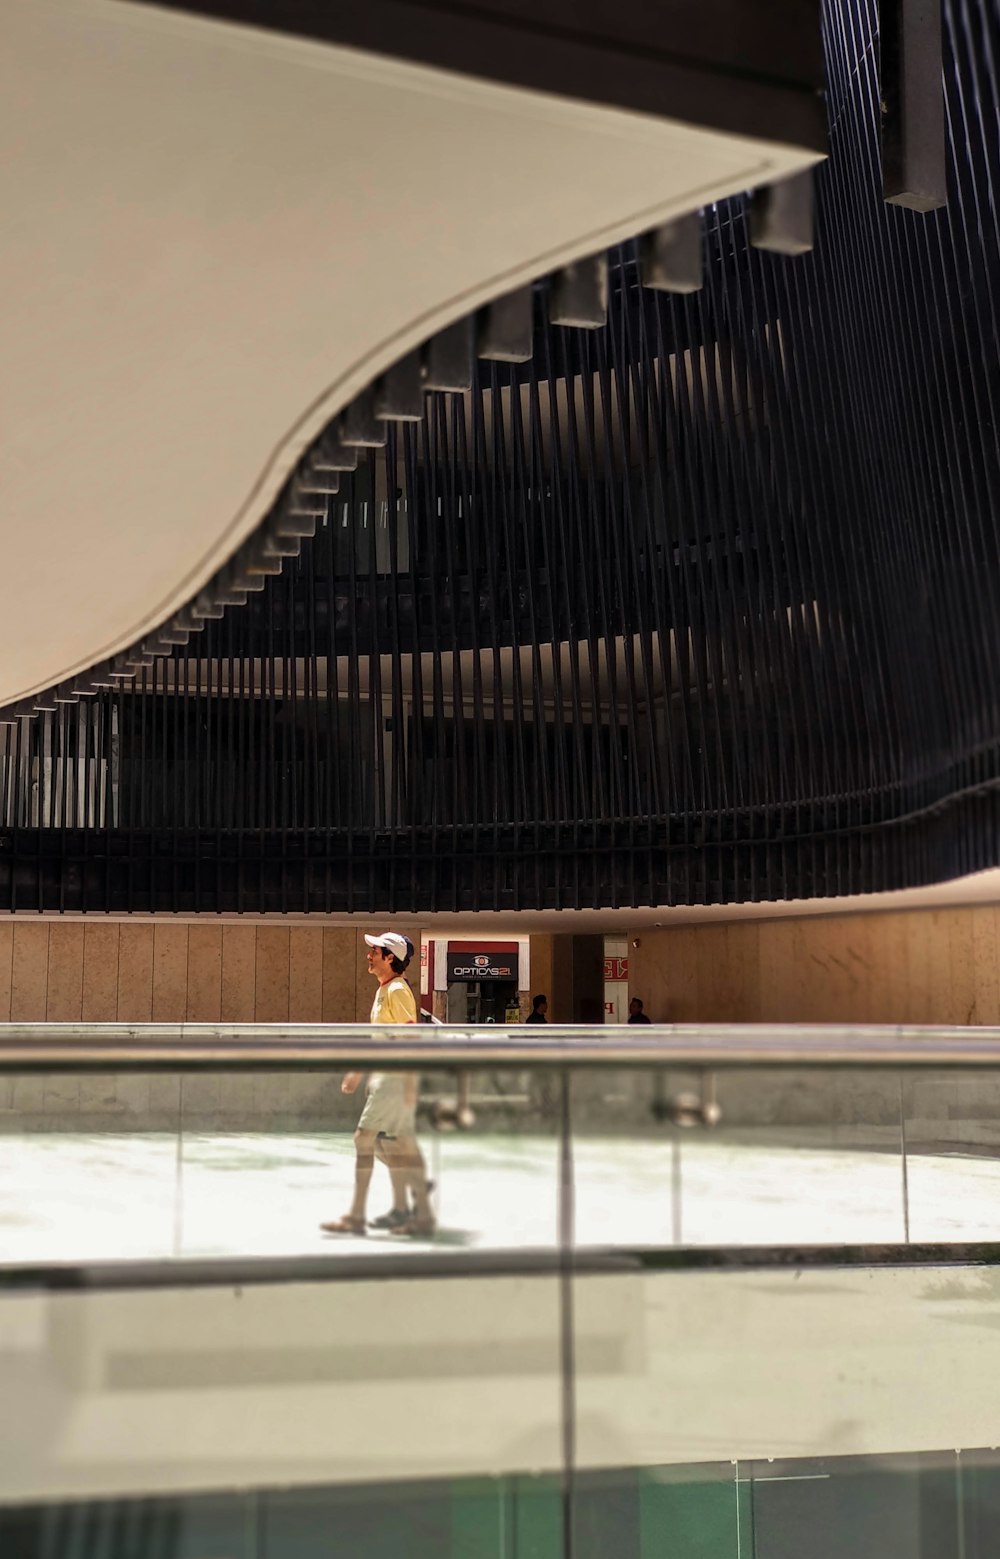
387,1127
539,1007
635,1012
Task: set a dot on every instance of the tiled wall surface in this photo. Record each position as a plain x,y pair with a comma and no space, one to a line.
928,966
917,966
169,971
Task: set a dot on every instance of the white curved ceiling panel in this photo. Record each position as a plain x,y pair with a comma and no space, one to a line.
211,239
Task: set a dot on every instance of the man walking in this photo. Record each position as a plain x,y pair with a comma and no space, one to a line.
387,1127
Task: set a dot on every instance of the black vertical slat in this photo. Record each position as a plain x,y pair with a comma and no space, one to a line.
397,726
457,556
15,819
470,523
416,815
268,706
376,714
313,816
83,714
629,607
222,792
512,568
523,507
242,787
567,605
600,544
355,819
430,528
288,803
198,776
331,799
491,733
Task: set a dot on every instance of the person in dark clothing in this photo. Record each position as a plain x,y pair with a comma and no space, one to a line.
635,1012
539,1007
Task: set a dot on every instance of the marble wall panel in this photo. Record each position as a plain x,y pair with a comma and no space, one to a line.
271,974
239,974
135,974
64,977
6,968
170,971
101,973
340,978
204,974
29,972
305,982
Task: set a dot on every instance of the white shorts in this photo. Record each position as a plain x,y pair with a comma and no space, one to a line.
386,1111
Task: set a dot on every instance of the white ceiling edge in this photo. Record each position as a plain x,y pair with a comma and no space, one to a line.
214,238
961,892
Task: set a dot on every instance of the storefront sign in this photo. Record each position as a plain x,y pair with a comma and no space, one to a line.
481,966
616,968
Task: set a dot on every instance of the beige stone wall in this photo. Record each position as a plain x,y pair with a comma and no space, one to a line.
171,971
922,966
919,966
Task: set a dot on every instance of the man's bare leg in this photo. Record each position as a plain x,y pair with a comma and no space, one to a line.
410,1166
396,1175
364,1163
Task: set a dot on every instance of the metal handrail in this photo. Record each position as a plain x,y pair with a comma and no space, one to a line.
197,1046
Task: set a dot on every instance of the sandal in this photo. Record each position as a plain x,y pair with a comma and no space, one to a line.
345,1225
416,1230
393,1219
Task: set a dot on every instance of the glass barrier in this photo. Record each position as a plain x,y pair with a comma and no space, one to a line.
215,1160
740,1157
943,1506
647,1307
720,1413
272,1163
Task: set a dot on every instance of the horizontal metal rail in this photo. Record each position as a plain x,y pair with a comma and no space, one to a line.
582,1261
189,1047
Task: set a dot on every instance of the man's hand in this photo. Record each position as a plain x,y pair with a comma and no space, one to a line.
351,1082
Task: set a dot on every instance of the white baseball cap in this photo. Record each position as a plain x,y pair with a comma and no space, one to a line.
393,943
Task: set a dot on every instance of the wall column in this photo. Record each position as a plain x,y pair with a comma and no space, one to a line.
577,994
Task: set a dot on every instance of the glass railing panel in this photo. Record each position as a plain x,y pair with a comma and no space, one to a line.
737,1157
952,1140
510,1517
476,1169
492,1145
940,1504
91,1167
221,1163
899,1507
927,1506
380,1395
787,1364
695,1512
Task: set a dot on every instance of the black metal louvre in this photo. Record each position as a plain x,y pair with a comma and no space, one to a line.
701,607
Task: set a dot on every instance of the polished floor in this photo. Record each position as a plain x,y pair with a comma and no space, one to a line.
78,1197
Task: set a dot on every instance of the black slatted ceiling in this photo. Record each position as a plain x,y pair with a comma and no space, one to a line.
700,607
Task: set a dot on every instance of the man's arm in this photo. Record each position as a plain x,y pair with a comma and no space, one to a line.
351,1082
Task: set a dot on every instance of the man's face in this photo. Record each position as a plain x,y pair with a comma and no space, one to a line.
634,1006
543,1007
378,960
